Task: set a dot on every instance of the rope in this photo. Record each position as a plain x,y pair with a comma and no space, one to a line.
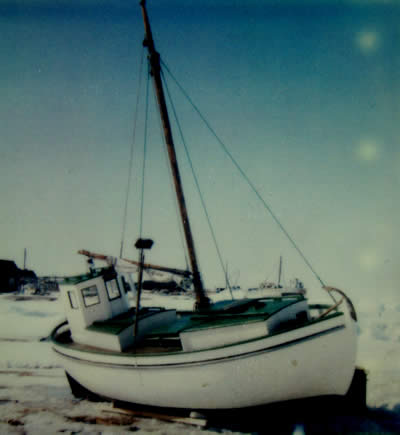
128,187
172,192
144,156
246,178
197,186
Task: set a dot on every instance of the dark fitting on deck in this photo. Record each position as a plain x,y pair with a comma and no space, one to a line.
141,245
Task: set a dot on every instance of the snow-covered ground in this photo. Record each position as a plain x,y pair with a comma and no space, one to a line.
379,352
35,396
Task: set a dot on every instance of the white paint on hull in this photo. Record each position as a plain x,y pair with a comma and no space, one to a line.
318,359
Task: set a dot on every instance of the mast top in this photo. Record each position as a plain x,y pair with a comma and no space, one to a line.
202,301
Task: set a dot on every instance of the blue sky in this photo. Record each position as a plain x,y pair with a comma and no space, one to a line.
305,95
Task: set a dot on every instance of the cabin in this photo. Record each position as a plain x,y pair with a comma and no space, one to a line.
99,313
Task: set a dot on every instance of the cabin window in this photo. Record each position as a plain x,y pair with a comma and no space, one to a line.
112,289
90,296
72,300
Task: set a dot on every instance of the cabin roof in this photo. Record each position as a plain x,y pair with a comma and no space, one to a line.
77,279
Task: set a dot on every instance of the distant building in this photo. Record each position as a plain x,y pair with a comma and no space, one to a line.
8,276
12,278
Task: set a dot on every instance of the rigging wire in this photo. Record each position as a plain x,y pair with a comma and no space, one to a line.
144,155
173,195
130,171
243,174
197,186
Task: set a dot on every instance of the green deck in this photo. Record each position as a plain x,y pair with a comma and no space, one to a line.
115,325
253,306
220,314
225,313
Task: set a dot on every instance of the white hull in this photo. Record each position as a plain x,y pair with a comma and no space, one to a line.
314,360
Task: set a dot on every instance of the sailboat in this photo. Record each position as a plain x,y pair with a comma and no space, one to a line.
270,288
226,355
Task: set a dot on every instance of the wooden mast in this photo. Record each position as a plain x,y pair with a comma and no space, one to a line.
202,300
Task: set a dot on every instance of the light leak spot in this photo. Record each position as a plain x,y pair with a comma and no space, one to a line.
368,41
367,150
298,429
368,260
